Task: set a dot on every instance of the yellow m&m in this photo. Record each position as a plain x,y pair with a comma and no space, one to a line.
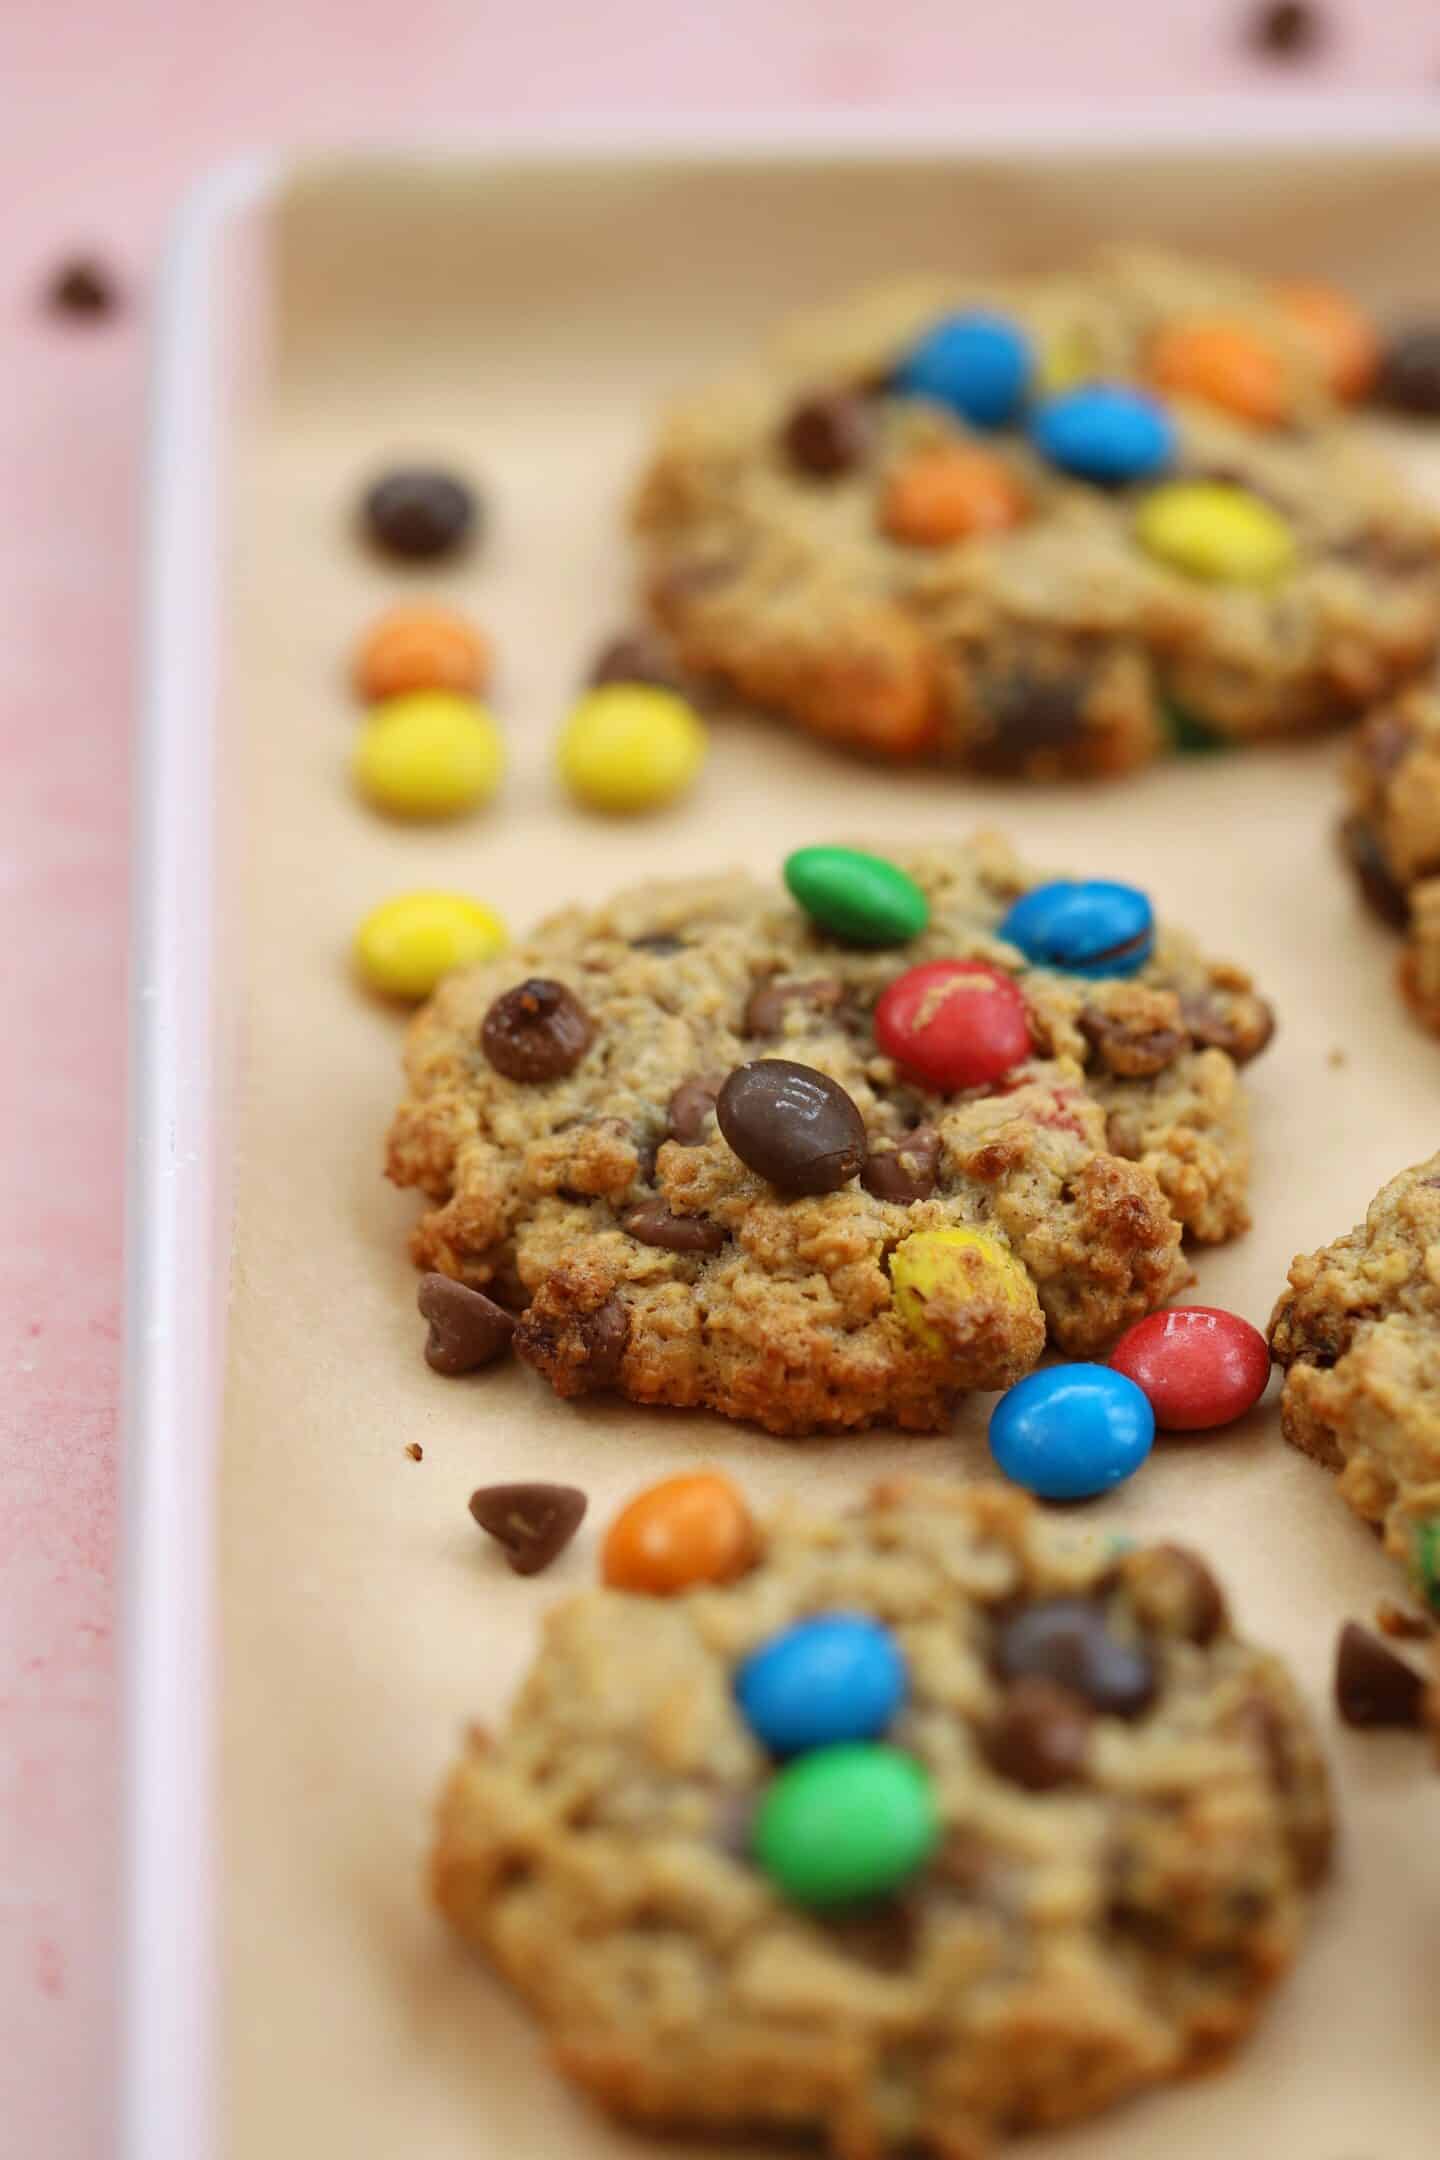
405,946
1212,530
629,747
963,1295
429,754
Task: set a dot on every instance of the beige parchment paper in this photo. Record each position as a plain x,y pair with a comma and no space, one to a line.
524,327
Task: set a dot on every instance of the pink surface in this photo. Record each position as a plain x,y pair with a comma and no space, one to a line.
112,107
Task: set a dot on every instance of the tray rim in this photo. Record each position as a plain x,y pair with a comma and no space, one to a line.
175,1214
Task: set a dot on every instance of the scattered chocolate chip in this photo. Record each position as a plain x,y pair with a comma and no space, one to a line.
770,1001
1030,718
82,287
660,942
828,433
1132,1046
650,1222
467,1329
418,513
792,1125
1067,1640
905,1172
534,1523
1372,1685
415,1451
1173,1591
537,1031
1042,1735
635,657
1410,371
1393,1619
1241,1024
690,1107
1286,29
1377,881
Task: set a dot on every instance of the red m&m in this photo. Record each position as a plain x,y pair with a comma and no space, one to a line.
1199,1366
954,1023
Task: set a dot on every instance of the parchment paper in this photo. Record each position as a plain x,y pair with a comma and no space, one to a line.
524,331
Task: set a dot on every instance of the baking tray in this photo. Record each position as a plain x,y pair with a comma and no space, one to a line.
310,1615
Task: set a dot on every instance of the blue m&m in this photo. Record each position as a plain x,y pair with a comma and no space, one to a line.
1105,433
1082,926
977,363
837,1677
1069,1432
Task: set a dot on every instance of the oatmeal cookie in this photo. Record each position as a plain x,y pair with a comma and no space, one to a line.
561,1120
878,569
1358,1336
1391,835
1123,1806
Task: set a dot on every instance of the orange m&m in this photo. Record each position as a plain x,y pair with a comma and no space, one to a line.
421,648
1223,363
1341,336
938,496
684,1531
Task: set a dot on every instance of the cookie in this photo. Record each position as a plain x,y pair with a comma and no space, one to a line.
1358,1337
884,572
1391,835
1110,1813
562,1121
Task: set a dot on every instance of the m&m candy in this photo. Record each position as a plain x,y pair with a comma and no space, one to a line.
1198,1366
846,1822
629,747
861,898
1210,529
429,754
405,946
683,1531
1085,926
1105,433
954,1023
837,1676
1071,1431
977,363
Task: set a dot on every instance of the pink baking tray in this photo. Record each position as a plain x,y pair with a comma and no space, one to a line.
209,364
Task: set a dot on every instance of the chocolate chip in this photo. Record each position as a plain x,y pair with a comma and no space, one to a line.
1410,371
650,1222
792,1125
1029,718
1042,1735
467,1329
603,1335
770,1001
1377,881
534,1523
578,1352
635,657
1240,1024
1067,1640
418,513
82,287
690,1108
905,1172
537,1031
828,433
1372,1685
884,1935
1174,1592
661,943
1286,29
1134,1047
1384,742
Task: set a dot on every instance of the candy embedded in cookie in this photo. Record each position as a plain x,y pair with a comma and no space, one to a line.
820,1848
828,1165
1357,1336
1023,527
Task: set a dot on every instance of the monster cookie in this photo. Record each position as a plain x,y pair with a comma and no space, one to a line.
1358,1336
1046,527
826,1164
1391,835
940,1822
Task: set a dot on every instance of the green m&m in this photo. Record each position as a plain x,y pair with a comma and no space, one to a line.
1425,1561
861,898
850,1821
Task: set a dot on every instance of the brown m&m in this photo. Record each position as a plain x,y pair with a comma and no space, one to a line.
792,1125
